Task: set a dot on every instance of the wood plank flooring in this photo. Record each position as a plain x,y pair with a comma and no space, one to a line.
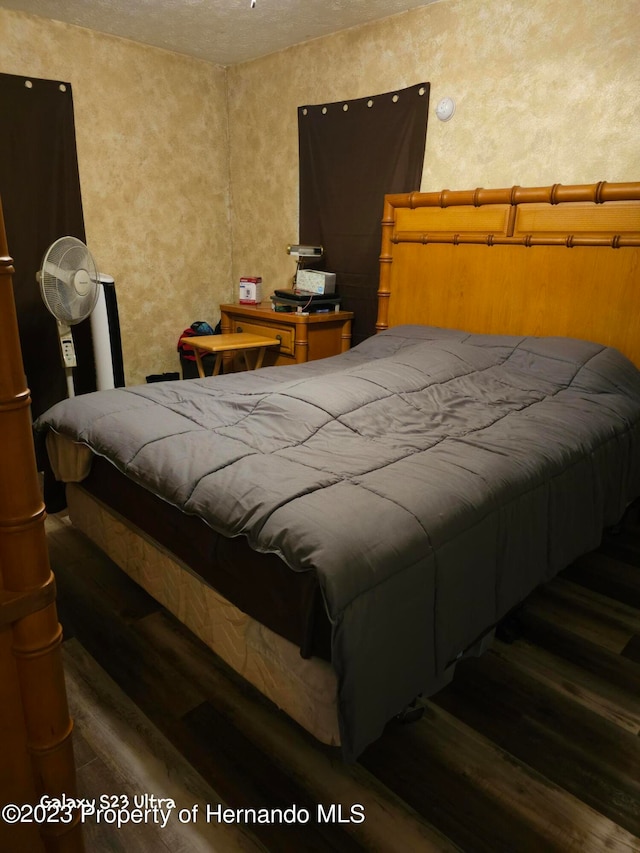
534,747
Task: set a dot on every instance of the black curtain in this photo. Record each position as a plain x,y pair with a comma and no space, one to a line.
351,154
40,190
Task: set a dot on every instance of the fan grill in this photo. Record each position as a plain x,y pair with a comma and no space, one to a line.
69,280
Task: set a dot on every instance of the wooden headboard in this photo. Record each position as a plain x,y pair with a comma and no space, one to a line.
558,260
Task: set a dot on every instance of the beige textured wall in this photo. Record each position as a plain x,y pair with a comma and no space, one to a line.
546,92
152,137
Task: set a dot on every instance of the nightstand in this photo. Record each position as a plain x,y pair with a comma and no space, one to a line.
302,337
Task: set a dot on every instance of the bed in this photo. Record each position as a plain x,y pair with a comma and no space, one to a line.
344,531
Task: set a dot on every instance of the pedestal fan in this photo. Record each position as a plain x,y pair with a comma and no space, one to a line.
70,286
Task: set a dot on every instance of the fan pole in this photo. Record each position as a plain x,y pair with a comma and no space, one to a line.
35,728
68,353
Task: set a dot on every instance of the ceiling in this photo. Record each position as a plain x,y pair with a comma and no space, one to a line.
221,31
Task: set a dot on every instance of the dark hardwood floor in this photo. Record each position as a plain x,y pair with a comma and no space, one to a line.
535,746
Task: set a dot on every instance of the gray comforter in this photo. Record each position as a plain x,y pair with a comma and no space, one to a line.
431,479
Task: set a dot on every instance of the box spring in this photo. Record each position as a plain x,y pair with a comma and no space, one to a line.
305,688
261,585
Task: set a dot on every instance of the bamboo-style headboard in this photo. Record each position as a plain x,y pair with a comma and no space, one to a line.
558,260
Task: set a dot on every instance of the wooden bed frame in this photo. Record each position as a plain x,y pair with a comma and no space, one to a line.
558,260
538,261
35,728
543,261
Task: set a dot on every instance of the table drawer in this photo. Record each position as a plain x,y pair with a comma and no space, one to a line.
286,336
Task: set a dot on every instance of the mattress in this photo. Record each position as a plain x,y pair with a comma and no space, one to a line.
428,478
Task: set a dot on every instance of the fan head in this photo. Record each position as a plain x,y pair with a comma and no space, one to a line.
69,280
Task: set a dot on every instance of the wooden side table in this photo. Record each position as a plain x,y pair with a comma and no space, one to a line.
230,343
302,337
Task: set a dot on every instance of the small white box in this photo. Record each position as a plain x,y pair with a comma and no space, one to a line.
250,290
316,281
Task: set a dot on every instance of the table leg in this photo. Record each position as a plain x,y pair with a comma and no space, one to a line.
196,352
260,357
